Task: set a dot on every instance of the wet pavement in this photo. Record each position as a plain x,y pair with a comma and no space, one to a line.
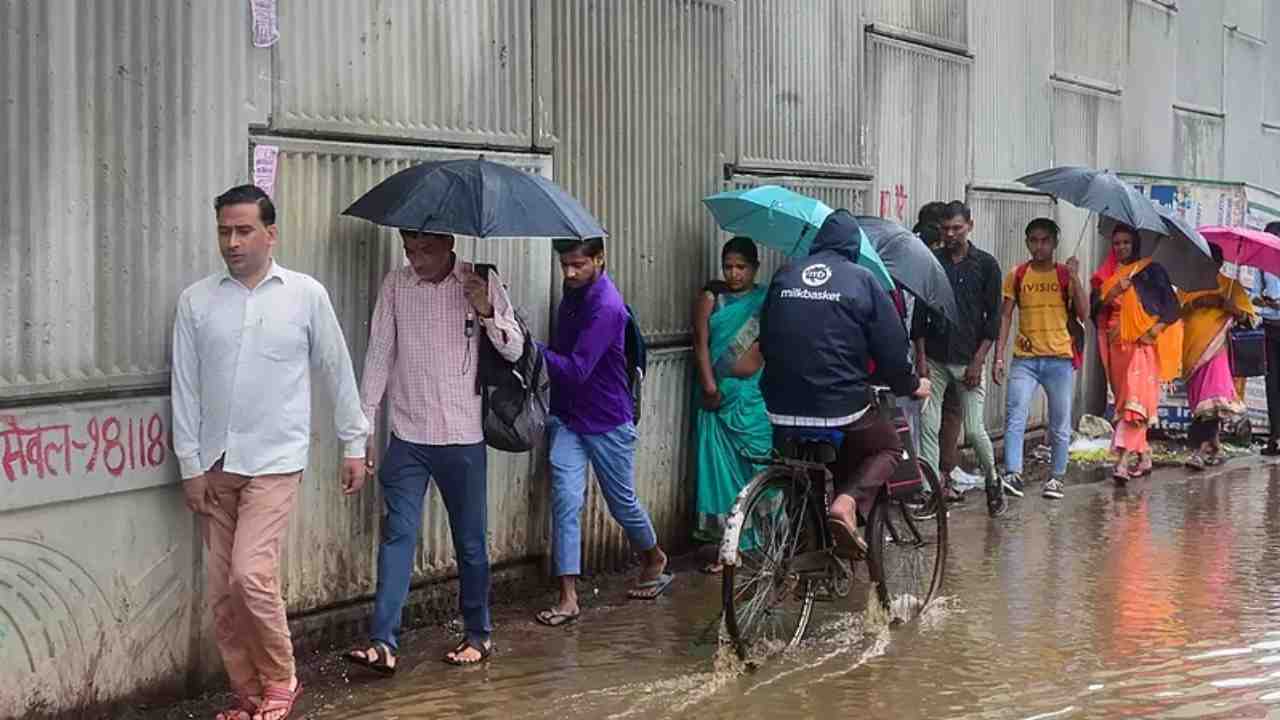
1159,600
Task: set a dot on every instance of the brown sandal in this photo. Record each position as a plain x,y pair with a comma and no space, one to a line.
848,543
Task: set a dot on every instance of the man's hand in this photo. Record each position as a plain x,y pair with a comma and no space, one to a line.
922,392
998,372
199,500
1073,264
353,475
477,291
371,454
973,375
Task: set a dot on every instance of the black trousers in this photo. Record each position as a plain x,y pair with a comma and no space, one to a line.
1273,377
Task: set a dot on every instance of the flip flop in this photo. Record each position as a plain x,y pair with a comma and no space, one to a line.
554,618
379,664
848,544
707,569
485,652
245,708
658,586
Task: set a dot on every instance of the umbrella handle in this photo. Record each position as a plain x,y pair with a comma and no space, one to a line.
1080,240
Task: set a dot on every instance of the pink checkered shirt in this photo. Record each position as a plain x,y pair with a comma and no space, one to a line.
418,345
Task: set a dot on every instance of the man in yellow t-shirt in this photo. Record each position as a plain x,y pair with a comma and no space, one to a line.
1045,294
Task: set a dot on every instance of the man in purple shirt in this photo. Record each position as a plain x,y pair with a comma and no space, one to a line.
592,423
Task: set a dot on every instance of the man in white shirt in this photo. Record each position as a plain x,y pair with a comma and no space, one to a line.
245,344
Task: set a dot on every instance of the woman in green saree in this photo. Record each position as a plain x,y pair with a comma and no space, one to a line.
730,420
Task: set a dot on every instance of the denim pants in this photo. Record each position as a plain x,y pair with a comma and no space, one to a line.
459,472
612,455
973,401
1057,377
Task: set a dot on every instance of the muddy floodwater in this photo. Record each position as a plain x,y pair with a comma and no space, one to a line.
1158,601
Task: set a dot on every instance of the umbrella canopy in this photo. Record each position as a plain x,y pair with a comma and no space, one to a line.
1100,191
784,220
1245,246
911,264
1180,249
479,198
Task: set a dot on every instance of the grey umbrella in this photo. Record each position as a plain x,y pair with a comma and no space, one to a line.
911,264
1100,191
1180,249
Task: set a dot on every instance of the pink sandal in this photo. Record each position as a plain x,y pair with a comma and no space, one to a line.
244,709
277,699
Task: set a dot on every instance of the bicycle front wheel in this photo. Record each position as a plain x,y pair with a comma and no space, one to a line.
907,549
767,604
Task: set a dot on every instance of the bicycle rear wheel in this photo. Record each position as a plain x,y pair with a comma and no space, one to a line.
767,604
907,549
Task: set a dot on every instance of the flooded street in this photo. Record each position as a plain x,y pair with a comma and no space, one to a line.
1162,600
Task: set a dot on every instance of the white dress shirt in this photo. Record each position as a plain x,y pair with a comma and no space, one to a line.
242,362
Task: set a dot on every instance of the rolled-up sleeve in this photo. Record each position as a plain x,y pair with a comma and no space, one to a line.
502,329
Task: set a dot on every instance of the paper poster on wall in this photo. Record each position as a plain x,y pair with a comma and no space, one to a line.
264,167
266,29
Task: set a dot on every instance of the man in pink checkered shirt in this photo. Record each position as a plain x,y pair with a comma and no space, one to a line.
423,354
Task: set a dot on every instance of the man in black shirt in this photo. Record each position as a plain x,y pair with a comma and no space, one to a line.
958,351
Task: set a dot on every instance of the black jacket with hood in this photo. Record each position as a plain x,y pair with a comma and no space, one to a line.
824,320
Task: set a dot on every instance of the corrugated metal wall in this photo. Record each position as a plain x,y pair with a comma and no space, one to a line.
1012,98
1089,40
918,111
640,92
801,64
1198,138
1149,87
341,69
1244,98
942,19
100,233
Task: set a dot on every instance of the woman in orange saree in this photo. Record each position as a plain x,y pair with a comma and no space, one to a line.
1136,312
1207,317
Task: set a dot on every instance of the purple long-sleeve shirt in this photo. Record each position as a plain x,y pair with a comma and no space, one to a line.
587,360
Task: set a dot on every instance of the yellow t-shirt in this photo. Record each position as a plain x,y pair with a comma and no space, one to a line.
1042,315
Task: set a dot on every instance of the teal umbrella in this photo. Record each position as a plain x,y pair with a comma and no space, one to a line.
783,220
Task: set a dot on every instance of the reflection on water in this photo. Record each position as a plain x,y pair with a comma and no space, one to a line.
1160,600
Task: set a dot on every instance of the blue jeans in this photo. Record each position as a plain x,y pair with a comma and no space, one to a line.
612,455
1057,377
459,472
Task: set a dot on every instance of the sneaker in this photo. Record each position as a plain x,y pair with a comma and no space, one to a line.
1012,483
1271,449
1053,489
996,502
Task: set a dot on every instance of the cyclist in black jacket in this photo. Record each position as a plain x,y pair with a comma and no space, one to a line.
828,331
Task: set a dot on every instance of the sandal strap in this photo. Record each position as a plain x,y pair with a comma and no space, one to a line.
280,694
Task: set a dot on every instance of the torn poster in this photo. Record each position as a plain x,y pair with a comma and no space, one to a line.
264,167
266,29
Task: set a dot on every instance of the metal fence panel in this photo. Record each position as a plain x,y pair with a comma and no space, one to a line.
639,112
918,124
122,121
1012,98
801,81
1201,51
1150,89
1244,96
1197,144
1088,40
458,71
944,19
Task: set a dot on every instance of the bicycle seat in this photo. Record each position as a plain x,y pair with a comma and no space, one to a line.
820,445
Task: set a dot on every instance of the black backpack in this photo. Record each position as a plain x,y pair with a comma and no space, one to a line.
637,361
513,395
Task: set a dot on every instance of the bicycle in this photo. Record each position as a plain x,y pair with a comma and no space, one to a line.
778,550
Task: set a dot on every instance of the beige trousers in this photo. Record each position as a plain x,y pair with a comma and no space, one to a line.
242,537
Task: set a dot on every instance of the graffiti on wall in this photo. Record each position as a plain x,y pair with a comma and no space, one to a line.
107,443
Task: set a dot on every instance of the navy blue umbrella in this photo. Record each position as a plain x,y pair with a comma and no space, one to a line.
477,197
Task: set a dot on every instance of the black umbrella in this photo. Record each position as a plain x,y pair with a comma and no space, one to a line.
1100,191
911,264
479,198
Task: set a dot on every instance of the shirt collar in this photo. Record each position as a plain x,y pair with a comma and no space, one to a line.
273,271
457,273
